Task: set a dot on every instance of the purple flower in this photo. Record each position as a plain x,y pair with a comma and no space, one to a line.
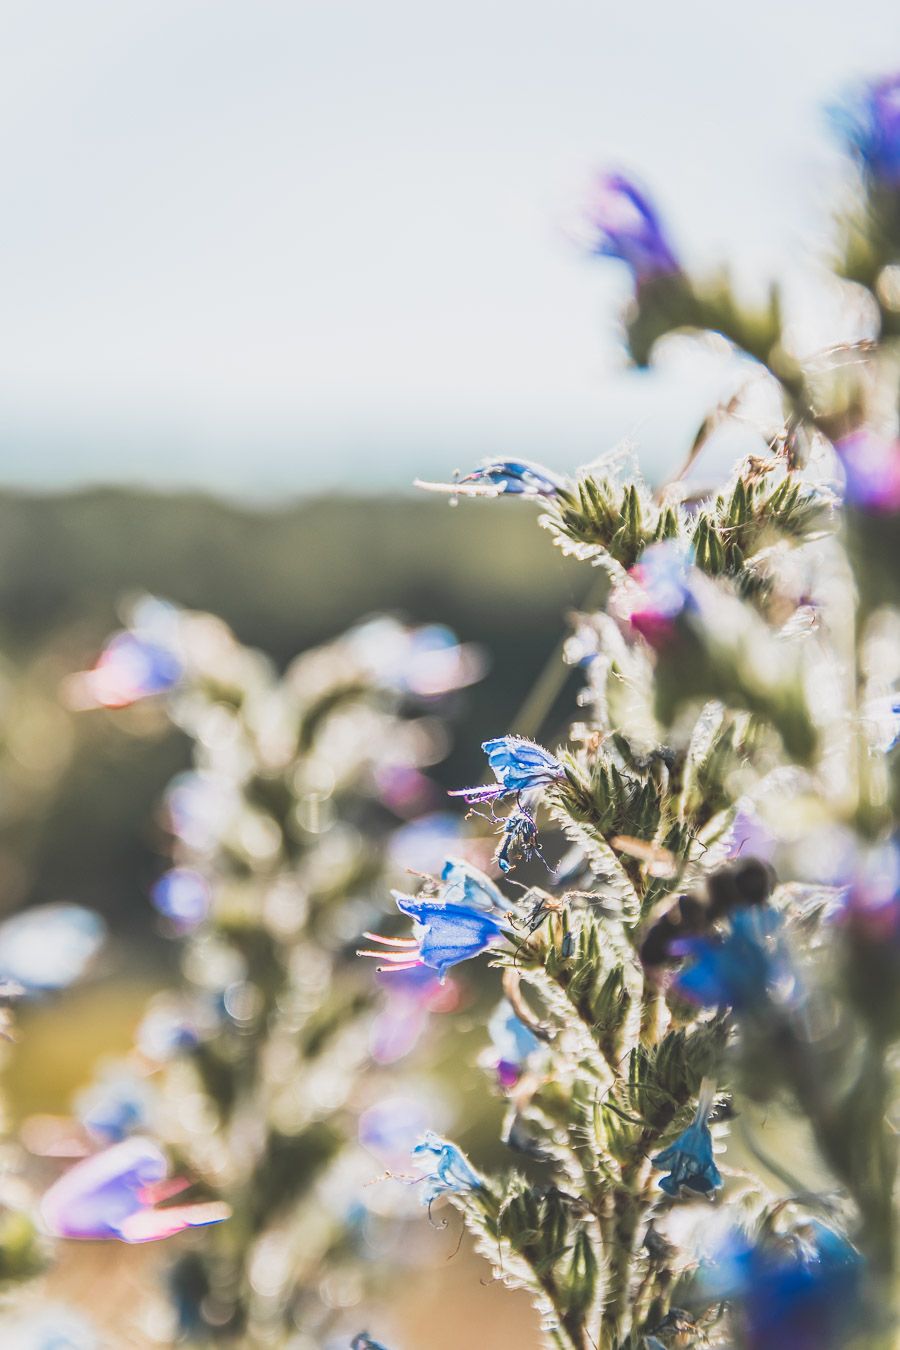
689,1160
802,1292
624,225
518,766
871,470
451,1173
114,1194
870,124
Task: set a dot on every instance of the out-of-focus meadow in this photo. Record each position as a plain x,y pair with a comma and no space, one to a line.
80,814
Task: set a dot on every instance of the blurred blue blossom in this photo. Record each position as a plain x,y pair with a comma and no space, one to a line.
518,766
48,947
114,1194
164,1031
738,970
118,1104
427,661
451,1171
657,591
129,668
364,1342
622,223
802,1292
183,896
869,122
689,1160
512,1044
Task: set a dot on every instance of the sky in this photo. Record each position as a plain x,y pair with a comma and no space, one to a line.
276,247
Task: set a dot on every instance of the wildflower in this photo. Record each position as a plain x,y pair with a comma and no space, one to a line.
690,1159
464,883
364,1342
129,668
114,1194
49,947
656,593
512,1044
451,1173
871,470
449,934
518,766
802,1292
736,971
183,896
870,124
520,840
503,477
623,224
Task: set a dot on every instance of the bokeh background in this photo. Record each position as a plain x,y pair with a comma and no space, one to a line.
263,264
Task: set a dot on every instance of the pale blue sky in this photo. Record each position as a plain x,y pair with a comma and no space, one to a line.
269,246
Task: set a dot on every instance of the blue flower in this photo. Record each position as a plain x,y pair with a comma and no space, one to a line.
518,766
364,1342
869,122
520,840
514,477
451,1172
465,884
513,1043
624,225
738,970
802,1292
449,934
689,1160
113,1194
